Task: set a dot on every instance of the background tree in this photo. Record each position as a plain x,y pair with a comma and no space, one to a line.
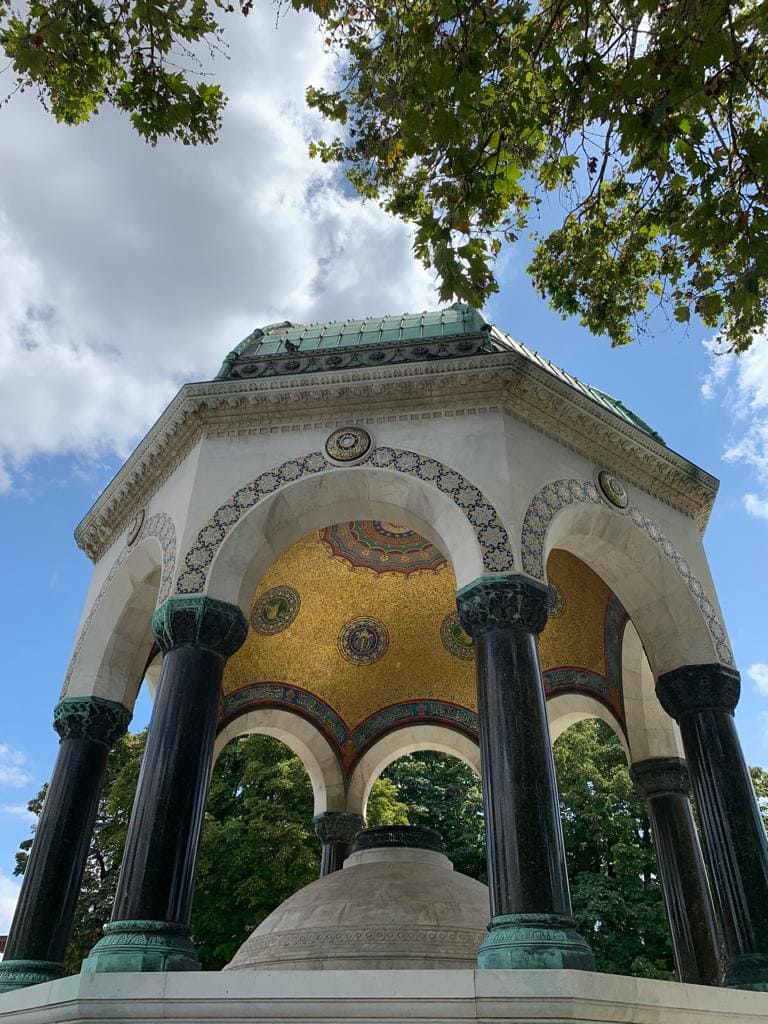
645,122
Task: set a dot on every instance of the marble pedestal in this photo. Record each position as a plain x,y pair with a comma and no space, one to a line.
374,997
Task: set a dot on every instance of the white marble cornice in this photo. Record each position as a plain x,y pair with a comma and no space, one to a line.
506,380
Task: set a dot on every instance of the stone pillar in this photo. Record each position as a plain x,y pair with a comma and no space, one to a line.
149,930
336,831
531,924
702,699
663,782
37,943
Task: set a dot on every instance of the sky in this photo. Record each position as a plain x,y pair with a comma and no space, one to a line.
127,270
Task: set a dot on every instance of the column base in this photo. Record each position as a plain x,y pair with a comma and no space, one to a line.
750,971
23,973
139,946
534,941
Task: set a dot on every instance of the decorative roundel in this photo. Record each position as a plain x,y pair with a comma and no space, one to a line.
612,489
363,641
275,610
348,444
556,604
455,638
134,528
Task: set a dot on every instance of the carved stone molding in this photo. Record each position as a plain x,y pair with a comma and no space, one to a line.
91,718
500,602
199,621
693,688
337,826
660,775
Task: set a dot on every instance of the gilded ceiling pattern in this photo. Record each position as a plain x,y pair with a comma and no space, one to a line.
355,628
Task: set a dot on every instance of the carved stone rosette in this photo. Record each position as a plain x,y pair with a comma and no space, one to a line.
691,689
659,775
199,621
501,602
91,718
337,826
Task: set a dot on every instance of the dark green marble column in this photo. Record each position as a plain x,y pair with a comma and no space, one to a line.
702,699
531,924
664,783
37,942
336,831
149,930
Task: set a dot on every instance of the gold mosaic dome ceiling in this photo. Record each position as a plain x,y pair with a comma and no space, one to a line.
355,626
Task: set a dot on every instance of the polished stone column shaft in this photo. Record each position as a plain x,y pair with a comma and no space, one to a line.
702,699
531,924
664,783
37,942
149,930
336,831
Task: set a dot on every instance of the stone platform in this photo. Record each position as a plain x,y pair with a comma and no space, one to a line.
374,997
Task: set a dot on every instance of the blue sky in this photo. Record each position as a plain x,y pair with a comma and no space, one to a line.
130,270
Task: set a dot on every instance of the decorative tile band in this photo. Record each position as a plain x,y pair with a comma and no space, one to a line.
491,535
557,495
160,526
348,745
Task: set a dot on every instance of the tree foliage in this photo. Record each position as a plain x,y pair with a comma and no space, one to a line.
638,126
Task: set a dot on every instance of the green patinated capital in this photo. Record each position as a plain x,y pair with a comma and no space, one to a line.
91,718
534,942
508,601
23,973
142,946
199,621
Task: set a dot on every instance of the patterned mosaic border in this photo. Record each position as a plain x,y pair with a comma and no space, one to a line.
557,495
491,534
348,746
160,526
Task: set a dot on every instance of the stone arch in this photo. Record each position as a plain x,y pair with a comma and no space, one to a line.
115,620
666,600
651,732
285,503
566,709
397,744
304,738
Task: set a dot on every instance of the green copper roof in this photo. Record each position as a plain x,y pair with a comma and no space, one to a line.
456,332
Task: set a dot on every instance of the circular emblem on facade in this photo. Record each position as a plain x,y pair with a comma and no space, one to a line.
556,603
455,638
348,444
134,528
363,641
612,489
275,610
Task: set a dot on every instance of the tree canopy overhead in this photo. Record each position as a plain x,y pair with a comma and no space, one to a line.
638,125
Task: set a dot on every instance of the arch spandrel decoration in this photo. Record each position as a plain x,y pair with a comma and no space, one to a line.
161,527
491,535
559,494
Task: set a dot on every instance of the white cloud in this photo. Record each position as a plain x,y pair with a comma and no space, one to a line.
12,770
9,894
125,270
18,811
758,673
745,392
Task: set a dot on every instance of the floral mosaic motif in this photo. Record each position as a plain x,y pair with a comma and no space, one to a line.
160,526
363,641
455,638
491,535
561,493
292,698
382,547
556,603
275,611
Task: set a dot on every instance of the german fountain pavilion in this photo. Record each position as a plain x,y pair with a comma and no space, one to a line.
368,538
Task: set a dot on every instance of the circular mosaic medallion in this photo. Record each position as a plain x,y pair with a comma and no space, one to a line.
348,444
556,604
455,638
363,641
612,489
383,547
134,529
275,610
